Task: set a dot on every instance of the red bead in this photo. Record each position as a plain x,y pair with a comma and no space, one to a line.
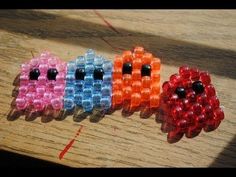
219,114
189,116
187,83
214,102
210,91
184,72
173,98
205,78
207,111
182,124
202,99
175,79
196,108
176,112
191,96
194,74
201,120
167,87
186,104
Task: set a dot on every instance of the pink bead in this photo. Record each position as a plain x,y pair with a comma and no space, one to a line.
38,104
34,62
23,90
57,103
24,79
43,68
25,68
21,103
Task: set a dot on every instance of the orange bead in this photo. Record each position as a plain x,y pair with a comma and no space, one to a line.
154,101
117,97
135,99
118,62
155,76
145,94
127,56
117,73
155,88
127,93
127,79
138,52
147,58
136,86
117,84
136,75
156,64
146,82
137,63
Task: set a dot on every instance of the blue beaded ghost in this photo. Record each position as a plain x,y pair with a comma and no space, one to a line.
88,83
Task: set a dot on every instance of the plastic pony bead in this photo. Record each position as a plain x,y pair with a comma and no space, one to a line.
189,104
42,83
136,79
88,83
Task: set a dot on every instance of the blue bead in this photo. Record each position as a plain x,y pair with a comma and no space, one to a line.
87,105
96,99
69,92
106,103
98,61
71,67
87,93
88,81
107,66
79,86
80,62
97,86
89,56
106,91
89,68
107,78
68,103
78,99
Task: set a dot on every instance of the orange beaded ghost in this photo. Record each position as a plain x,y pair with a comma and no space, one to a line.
136,78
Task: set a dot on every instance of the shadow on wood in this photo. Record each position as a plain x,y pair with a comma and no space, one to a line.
227,157
44,25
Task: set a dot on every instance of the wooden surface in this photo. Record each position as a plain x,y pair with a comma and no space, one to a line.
206,39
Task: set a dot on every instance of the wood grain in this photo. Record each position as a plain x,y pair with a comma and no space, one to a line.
206,39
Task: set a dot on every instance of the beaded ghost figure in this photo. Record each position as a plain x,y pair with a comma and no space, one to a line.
42,83
189,104
136,79
88,83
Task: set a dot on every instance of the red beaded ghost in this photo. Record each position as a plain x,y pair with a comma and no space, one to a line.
136,79
189,104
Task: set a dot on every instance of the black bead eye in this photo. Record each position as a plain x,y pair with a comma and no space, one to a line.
127,68
79,74
34,74
98,74
52,73
146,70
180,91
198,87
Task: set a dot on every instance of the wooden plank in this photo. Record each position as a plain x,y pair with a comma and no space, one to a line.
206,39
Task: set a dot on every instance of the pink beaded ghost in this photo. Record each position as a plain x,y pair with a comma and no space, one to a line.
42,83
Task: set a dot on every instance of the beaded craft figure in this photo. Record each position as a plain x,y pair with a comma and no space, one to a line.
136,78
88,83
42,83
189,104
